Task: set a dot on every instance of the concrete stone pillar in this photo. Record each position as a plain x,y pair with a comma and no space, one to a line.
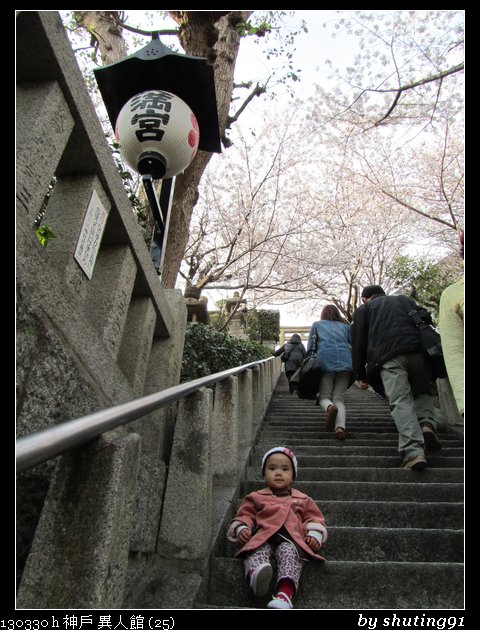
44,125
263,386
245,409
279,367
137,341
225,429
186,526
156,430
65,215
271,380
109,293
257,401
79,556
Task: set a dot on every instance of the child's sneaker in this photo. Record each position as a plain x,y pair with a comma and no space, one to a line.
280,601
260,579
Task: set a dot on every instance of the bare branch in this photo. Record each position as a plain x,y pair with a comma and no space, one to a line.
257,91
139,31
442,182
391,108
414,84
421,212
410,86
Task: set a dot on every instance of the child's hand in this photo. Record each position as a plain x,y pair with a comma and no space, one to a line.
313,544
244,535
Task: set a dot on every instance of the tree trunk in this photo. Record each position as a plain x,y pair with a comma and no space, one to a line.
212,35
104,27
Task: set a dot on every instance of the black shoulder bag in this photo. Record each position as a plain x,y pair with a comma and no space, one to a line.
308,374
432,345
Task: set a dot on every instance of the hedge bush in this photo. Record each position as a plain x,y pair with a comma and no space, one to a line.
262,325
208,351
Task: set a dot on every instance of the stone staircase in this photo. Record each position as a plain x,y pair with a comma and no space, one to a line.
395,536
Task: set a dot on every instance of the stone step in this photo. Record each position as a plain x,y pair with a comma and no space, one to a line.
306,431
330,473
368,402
390,519
370,544
314,426
355,437
319,447
374,491
303,426
393,544
396,537
294,406
373,513
315,417
350,584
369,406
429,515
340,460
440,515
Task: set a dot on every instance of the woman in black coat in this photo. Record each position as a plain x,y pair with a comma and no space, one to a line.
294,352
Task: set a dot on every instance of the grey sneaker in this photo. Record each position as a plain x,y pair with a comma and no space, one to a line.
417,462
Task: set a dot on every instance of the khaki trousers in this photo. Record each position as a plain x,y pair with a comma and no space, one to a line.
410,400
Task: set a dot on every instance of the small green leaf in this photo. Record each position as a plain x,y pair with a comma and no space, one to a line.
44,235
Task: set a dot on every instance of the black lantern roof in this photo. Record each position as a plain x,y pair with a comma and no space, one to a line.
157,67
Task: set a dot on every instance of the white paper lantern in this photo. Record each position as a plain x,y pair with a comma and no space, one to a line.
157,133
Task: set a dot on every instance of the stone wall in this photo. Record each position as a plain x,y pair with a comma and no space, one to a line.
83,343
129,519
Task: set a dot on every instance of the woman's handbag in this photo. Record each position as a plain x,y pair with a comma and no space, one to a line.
432,345
308,375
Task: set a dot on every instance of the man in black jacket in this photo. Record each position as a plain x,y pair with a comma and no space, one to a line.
386,347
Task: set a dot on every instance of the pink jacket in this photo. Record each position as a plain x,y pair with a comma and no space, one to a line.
266,513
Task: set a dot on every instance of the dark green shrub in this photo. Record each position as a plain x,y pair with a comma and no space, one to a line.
262,325
208,351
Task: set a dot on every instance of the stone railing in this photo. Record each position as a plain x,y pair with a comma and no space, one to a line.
95,329
79,559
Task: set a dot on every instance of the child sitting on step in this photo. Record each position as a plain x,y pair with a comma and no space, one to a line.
279,522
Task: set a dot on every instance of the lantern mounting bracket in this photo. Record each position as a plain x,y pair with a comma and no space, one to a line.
160,207
152,200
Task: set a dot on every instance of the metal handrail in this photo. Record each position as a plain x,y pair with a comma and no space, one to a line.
46,444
